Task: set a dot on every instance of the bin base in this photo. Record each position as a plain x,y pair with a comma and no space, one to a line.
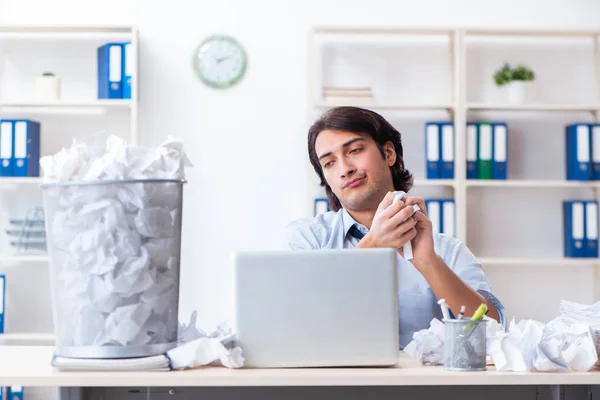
113,351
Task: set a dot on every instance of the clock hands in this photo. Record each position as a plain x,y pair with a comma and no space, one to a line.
221,59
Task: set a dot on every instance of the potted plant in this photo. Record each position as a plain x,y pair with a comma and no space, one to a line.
47,87
515,80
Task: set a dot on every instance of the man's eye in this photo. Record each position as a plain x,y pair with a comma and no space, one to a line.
354,151
327,164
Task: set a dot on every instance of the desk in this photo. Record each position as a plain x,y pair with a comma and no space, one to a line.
30,366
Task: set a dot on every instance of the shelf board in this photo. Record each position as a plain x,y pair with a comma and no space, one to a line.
434,182
123,103
383,30
526,183
32,336
24,259
387,106
538,261
533,107
20,181
532,32
25,32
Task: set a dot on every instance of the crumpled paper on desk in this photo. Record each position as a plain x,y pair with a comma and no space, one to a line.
114,248
197,348
528,345
554,347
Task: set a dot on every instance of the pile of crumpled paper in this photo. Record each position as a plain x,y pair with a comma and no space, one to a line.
528,345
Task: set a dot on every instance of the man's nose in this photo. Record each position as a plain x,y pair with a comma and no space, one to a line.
346,169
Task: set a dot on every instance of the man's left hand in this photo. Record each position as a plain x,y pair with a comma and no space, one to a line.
422,244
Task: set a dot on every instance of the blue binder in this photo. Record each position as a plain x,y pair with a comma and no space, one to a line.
2,300
6,148
321,206
578,151
26,145
591,229
433,151
110,71
595,144
15,392
434,212
574,228
472,150
447,141
127,69
448,225
500,150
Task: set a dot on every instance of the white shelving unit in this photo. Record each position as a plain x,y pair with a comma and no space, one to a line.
70,52
465,87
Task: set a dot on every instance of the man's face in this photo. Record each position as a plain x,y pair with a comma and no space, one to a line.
354,168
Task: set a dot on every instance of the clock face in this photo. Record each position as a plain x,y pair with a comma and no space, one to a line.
220,61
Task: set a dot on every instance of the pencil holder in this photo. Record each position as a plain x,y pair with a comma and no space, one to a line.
465,345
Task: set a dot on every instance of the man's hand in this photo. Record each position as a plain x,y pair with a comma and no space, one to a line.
392,225
422,244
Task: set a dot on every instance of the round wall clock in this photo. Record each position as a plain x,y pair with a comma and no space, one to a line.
220,61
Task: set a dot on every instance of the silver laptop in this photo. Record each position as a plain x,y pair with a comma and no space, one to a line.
319,308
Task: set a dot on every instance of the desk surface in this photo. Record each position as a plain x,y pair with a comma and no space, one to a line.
30,366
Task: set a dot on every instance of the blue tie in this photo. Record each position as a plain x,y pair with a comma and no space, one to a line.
355,232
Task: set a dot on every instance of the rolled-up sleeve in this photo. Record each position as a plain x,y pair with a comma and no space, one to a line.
464,264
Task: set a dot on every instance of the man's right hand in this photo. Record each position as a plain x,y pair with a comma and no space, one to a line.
392,225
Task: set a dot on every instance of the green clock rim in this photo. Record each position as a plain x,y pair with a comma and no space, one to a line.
209,82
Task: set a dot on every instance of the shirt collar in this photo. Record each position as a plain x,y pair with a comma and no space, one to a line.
348,221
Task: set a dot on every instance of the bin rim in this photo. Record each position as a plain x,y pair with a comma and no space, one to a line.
109,182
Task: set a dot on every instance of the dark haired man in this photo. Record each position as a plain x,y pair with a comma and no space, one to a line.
358,156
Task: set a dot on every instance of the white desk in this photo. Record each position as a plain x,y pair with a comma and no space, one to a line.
30,366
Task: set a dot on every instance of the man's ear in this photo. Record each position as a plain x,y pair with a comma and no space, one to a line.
390,153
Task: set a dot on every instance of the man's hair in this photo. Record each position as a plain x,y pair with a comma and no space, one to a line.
360,121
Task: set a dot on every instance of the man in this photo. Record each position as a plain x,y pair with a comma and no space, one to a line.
357,155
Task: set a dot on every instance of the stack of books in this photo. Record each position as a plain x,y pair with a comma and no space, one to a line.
348,95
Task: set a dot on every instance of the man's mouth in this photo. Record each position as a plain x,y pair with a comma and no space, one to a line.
353,183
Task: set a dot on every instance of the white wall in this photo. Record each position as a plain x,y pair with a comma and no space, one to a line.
248,143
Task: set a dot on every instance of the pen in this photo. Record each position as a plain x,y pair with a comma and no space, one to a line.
444,307
461,314
477,316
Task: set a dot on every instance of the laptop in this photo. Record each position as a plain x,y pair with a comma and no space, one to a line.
319,308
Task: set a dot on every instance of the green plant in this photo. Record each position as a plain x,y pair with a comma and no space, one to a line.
522,73
506,74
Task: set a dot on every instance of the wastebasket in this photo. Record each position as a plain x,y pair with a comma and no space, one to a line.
114,256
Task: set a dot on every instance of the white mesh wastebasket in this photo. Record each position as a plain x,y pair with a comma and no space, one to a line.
114,251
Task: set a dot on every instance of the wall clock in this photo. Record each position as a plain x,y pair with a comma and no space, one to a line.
220,61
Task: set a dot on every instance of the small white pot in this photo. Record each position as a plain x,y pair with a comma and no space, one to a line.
47,88
518,91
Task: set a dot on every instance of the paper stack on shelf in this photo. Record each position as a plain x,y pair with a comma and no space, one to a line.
357,95
28,235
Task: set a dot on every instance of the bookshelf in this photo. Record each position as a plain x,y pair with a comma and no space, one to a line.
70,52
428,74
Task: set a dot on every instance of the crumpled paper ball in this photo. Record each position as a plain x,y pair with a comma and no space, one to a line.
554,347
197,348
